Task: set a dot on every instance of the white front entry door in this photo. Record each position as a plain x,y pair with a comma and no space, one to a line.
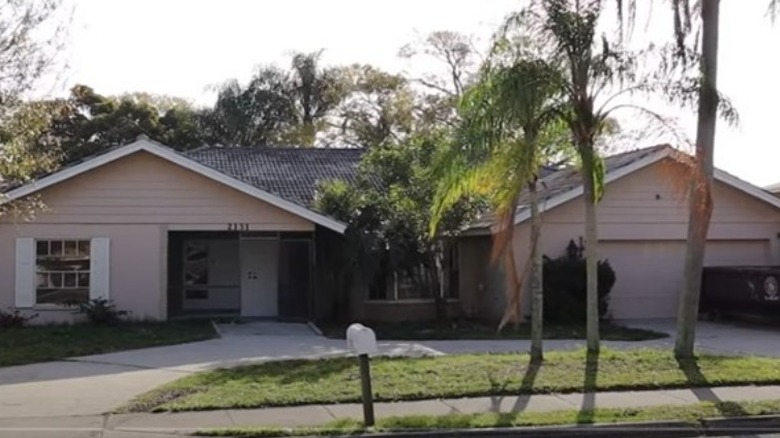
259,277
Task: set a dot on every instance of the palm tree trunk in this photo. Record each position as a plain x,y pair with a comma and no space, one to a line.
700,208
591,252
537,296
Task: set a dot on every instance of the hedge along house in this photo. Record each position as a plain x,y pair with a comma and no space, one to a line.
227,231
642,225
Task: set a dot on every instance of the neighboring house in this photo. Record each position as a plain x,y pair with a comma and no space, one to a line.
233,231
642,226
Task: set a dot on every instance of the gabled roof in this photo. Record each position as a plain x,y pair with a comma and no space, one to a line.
290,173
566,184
773,188
221,165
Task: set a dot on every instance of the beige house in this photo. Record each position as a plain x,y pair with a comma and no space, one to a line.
233,231
165,234
642,225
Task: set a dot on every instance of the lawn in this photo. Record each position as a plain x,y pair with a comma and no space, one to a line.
337,380
44,343
412,331
692,414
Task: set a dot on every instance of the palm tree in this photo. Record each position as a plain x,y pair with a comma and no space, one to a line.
597,74
570,31
700,190
507,124
700,195
315,92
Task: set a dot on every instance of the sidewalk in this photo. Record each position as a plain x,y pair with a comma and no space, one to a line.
313,415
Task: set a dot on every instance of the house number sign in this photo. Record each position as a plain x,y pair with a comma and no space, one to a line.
238,226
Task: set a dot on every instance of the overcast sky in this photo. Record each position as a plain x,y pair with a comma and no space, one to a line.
179,47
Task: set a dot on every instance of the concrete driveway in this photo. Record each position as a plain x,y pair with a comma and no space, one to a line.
100,383
723,338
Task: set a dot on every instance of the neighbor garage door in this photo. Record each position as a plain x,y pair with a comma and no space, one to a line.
650,273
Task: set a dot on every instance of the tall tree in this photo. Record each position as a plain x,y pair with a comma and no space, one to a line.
378,108
388,216
509,126
88,123
315,92
457,59
709,104
597,73
278,106
700,195
259,113
31,36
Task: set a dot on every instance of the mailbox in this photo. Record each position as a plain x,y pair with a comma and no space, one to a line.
361,339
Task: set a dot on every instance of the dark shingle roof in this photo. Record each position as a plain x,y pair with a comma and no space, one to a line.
293,174
569,178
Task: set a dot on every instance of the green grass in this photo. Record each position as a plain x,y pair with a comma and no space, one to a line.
410,331
691,414
337,380
44,343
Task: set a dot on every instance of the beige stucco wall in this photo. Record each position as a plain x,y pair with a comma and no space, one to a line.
135,201
649,206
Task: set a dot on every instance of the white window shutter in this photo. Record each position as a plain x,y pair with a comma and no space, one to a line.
25,272
99,268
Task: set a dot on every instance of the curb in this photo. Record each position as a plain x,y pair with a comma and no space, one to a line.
750,424
670,429
650,429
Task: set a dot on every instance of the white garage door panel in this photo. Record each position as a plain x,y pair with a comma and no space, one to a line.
648,277
649,274
737,252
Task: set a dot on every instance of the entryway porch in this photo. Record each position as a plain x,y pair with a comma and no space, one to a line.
240,274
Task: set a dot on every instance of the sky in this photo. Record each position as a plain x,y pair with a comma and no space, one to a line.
181,47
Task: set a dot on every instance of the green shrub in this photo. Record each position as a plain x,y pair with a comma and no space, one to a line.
565,286
102,311
13,318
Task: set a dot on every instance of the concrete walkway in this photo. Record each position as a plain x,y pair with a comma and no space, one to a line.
315,415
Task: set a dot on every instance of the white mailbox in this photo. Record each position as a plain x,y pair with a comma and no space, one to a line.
361,339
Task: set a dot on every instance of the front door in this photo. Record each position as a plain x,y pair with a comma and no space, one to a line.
259,277
294,279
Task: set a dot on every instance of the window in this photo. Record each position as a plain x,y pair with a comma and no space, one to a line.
452,277
417,285
196,263
62,271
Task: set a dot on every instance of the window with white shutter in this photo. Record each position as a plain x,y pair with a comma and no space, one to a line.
62,271
100,268
25,273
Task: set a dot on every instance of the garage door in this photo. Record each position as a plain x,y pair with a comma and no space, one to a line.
650,273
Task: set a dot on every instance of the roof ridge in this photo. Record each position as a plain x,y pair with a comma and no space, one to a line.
271,148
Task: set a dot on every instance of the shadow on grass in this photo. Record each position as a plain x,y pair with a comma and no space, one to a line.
283,372
523,393
586,413
699,386
527,385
